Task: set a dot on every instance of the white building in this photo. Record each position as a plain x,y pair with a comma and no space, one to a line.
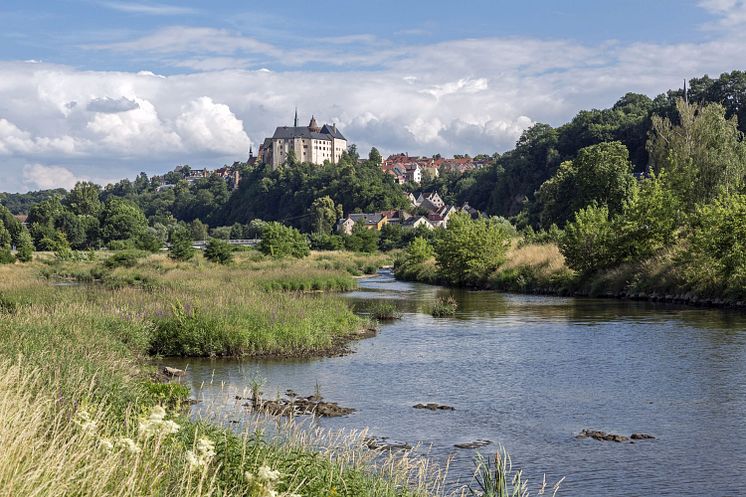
310,143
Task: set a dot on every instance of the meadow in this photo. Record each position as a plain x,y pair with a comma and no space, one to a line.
84,410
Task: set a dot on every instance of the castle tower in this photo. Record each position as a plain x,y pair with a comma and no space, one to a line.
312,126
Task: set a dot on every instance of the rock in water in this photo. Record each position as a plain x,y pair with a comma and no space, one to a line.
173,372
602,436
431,406
476,444
641,436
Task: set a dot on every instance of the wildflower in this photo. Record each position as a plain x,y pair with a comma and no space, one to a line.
129,445
194,460
106,444
86,423
268,474
249,477
206,447
155,423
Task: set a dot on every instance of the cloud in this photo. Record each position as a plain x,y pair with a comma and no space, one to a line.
109,105
40,177
460,96
730,13
208,126
149,9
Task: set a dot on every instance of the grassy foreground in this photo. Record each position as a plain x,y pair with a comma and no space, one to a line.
81,413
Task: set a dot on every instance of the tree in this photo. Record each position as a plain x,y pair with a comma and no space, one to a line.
148,239
375,156
649,220
181,244
218,251
471,249
280,241
392,236
121,220
701,155
25,246
601,173
325,214
715,256
362,239
83,199
199,230
6,257
589,241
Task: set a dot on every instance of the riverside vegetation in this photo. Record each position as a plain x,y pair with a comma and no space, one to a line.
676,234
85,412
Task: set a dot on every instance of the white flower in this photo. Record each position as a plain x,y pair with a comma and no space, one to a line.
170,427
129,444
193,460
248,476
206,447
106,443
268,474
157,414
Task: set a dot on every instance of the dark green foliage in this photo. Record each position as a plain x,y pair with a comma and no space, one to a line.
325,215
199,230
588,243
121,220
392,237
469,250
384,311
83,199
6,257
181,244
715,255
362,239
125,258
326,242
286,194
25,246
218,251
149,240
21,203
280,241
601,173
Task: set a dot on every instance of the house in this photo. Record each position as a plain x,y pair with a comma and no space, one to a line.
413,172
395,217
430,201
231,175
344,226
313,143
415,222
372,221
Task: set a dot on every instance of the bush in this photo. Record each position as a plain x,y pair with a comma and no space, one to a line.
181,244
219,251
384,311
25,247
125,258
589,241
280,241
148,240
471,249
362,239
444,307
323,241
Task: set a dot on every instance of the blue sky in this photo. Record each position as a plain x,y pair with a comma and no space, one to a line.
103,89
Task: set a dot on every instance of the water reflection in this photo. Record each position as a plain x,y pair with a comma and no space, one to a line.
530,372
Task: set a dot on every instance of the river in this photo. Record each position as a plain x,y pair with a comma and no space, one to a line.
530,373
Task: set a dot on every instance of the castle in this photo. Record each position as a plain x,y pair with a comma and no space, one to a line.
310,143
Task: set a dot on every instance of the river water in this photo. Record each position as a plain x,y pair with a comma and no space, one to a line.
530,373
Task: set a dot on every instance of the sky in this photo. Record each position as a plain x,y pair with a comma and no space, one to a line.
104,89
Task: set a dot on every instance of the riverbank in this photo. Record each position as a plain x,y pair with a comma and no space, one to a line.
82,409
540,269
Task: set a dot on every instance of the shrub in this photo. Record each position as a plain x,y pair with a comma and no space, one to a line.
219,251
444,307
181,244
362,239
588,243
125,258
280,241
323,241
25,247
384,311
471,249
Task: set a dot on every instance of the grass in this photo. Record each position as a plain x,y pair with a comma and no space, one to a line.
444,307
82,414
384,311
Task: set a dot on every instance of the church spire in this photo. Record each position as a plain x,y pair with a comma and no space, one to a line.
295,123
